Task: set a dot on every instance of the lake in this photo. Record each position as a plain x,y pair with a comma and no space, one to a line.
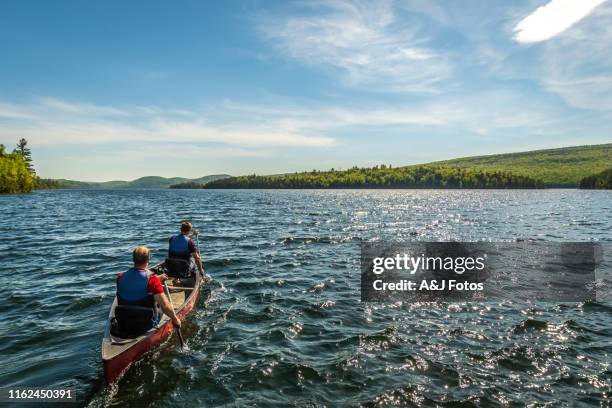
281,323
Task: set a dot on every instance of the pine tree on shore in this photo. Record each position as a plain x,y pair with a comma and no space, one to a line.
24,151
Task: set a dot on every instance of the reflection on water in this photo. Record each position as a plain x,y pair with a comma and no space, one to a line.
281,323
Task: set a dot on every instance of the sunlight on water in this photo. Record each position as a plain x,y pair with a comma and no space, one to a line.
281,322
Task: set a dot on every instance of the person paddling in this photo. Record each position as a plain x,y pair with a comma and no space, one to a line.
181,246
138,290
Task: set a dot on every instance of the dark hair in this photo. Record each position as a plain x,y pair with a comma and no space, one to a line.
185,226
140,255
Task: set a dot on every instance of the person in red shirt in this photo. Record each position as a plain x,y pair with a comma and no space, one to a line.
140,287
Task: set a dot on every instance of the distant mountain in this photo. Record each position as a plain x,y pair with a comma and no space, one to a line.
65,183
148,182
153,182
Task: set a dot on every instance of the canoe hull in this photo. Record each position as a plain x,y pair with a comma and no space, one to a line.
116,366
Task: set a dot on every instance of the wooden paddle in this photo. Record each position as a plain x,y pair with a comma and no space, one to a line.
178,329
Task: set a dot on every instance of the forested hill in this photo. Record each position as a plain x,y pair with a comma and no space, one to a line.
382,177
563,167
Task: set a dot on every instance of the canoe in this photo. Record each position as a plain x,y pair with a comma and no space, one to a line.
119,354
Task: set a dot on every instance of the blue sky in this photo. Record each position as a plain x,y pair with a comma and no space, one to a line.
118,90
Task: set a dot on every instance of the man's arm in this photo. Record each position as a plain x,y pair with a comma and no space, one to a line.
155,287
198,261
196,255
162,300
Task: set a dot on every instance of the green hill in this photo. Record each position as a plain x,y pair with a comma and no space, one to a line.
152,182
65,183
563,167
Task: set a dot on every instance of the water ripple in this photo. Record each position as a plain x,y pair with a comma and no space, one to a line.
281,324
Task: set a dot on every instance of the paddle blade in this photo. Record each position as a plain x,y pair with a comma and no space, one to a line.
180,336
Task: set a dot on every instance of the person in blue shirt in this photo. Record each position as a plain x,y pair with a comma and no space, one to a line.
181,246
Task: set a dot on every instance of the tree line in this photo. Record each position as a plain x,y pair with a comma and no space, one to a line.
188,185
601,180
17,174
423,176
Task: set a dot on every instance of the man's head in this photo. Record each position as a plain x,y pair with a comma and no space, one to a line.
186,227
141,256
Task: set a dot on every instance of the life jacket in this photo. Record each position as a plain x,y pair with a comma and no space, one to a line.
179,247
136,311
132,288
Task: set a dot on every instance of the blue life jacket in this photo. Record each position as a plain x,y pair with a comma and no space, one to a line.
179,247
132,288
132,291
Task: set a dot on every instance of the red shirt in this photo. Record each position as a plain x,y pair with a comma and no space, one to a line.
154,285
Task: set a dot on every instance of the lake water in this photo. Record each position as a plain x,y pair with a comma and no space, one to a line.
281,323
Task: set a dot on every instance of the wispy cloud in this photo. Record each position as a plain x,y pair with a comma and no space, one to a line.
51,121
48,121
79,108
552,19
14,111
363,41
578,65
44,105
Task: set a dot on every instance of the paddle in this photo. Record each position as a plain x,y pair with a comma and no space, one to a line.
197,234
178,329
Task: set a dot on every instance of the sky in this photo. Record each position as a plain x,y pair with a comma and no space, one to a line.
119,90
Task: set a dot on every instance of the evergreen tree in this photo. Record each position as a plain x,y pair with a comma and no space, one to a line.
26,154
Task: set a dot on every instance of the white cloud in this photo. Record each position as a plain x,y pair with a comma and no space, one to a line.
552,19
363,41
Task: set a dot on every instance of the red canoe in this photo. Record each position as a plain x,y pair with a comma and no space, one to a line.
118,354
